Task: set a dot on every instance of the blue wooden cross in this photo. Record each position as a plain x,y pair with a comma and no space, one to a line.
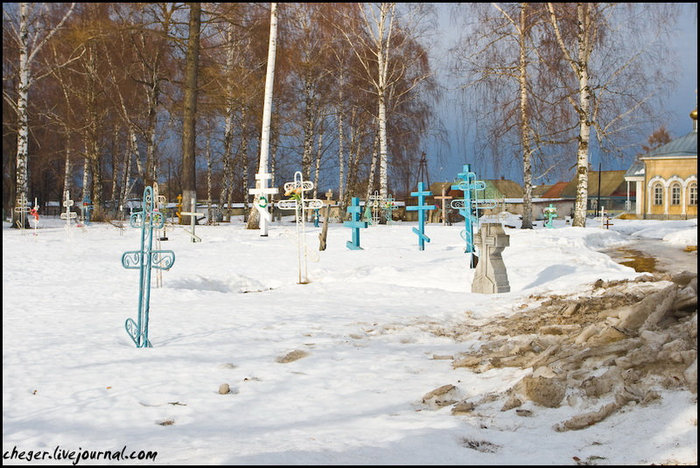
421,209
355,224
144,260
469,206
550,212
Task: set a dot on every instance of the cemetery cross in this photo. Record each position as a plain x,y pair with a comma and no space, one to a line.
354,223
550,212
144,260
261,192
297,203
22,208
421,209
68,215
468,208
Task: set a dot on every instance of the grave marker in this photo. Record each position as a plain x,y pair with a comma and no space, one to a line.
144,260
367,215
179,208
324,230
468,207
261,192
86,210
23,208
68,215
296,189
389,207
490,275
444,198
421,209
550,213
355,224
192,214
35,212
376,201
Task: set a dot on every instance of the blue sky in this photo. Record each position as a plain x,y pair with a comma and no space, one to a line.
446,159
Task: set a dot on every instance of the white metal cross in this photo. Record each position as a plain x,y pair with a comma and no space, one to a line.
261,192
375,202
68,215
299,205
192,214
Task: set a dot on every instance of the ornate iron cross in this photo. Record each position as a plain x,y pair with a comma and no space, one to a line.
469,206
550,212
68,215
143,260
375,201
389,207
354,209
421,209
297,203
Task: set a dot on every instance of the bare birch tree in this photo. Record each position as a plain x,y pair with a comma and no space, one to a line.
609,50
31,34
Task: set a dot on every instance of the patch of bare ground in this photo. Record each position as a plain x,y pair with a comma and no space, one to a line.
610,348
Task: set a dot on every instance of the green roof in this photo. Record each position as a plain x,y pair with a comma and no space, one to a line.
684,146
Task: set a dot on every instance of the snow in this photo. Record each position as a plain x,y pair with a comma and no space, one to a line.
369,320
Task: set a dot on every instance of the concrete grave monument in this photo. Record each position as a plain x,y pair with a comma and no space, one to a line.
490,276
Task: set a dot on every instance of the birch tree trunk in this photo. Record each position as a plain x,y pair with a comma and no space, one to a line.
22,117
387,9
317,173
341,152
525,131
372,169
26,57
210,219
66,173
227,185
189,136
579,65
267,113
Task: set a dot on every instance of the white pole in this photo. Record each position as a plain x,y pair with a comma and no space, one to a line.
267,108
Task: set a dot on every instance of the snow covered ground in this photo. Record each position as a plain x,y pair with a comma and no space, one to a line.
230,309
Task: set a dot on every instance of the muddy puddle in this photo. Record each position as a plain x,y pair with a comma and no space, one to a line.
641,262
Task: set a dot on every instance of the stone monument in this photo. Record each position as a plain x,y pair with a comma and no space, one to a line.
490,276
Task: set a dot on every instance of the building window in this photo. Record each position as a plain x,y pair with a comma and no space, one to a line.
658,194
693,194
676,194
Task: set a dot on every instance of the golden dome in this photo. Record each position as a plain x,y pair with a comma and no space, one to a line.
694,114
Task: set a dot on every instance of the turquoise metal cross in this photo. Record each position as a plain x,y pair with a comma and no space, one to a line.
354,209
421,209
469,206
144,260
550,212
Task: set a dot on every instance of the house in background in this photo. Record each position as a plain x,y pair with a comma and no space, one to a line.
613,190
667,179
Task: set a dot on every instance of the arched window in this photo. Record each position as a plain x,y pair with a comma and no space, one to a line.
658,194
676,194
693,194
